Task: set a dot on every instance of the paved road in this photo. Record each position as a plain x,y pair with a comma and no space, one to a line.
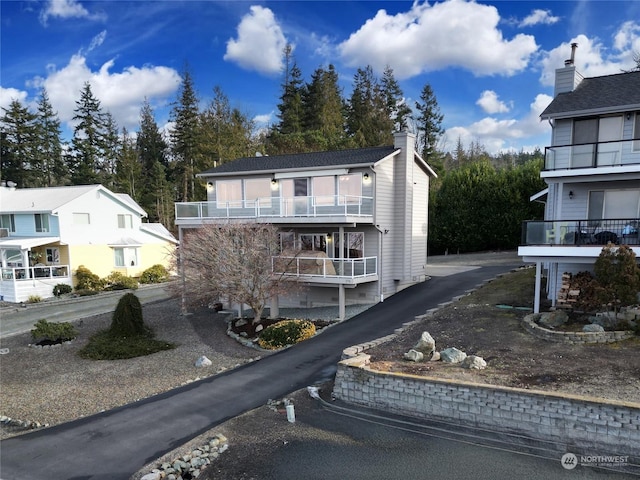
114,444
16,320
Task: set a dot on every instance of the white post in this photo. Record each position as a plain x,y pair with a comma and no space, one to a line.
341,307
536,298
274,311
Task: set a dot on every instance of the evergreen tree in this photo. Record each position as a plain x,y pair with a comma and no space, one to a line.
368,121
128,171
153,193
49,143
397,108
429,124
87,146
19,132
185,139
290,106
323,105
110,151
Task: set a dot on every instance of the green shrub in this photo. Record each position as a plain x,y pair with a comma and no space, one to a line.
61,289
54,332
128,336
119,281
34,299
287,332
88,280
154,274
86,293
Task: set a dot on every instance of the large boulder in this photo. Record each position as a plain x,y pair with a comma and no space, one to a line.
426,345
414,356
474,362
452,355
203,362
553,319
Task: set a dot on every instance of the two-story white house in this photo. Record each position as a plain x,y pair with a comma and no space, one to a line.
353,222
592,169
47,233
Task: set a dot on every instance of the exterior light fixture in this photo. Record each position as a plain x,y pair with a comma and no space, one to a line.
210,186
274,184
570,194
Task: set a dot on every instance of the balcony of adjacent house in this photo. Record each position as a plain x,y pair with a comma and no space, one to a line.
298,209
578,238
317,268
616,156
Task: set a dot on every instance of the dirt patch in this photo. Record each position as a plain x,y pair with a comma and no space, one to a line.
515,358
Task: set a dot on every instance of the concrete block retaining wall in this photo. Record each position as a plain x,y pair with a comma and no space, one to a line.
583,425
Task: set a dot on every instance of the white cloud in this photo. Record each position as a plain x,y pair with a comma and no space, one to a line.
490,103
539,17
259,44
120,93
500,135
65,9
455,33
97,40
7,95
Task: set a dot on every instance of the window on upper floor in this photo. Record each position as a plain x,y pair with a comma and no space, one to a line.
354,245
350,188
125,220
8,221
614,204
636,133
596,141
81,219
258,189
42,222
324,190
229,193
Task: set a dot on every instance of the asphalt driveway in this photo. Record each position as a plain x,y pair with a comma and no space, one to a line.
114,444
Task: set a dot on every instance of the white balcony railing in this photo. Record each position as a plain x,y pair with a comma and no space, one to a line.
39,272
325,267
278,207
592,155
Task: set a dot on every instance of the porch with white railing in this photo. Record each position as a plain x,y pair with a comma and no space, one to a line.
327,270
20,283
275,209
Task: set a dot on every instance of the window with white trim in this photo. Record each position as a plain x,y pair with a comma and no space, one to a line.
636,133
324,190
125,220
350,188
258,189
354,245
81,219
53,256
7,221
125,256
42,222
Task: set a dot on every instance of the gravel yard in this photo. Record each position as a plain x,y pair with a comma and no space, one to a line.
54,385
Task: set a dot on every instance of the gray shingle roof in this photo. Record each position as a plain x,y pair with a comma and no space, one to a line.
620,92
303,161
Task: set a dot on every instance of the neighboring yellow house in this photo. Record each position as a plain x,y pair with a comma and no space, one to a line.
47,233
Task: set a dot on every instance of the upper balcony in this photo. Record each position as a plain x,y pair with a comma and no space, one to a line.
616,156
298,209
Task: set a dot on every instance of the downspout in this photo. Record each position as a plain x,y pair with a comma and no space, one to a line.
381,234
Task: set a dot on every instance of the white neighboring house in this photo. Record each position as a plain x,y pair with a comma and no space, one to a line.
592,169
353,222
47,233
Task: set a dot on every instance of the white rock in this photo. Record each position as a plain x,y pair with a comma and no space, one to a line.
259,328
151,476
435,357
474,362
593,327
414,356
203,362
426,344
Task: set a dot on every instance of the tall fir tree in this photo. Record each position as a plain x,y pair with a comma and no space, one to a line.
19,132
87,145
429,123
111,146
368,121
128,170
397,109
49,143
185,139
290,110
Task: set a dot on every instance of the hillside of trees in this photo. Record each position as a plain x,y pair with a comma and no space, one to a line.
157,168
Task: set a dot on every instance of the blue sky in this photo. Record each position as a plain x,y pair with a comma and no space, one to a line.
490,63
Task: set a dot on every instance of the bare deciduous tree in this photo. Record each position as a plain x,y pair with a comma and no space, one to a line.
230,262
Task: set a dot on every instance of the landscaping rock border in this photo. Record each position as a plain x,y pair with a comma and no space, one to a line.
530,325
